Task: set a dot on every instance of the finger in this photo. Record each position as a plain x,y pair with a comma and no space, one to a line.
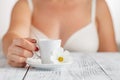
21,52
14,64
16,58
25,44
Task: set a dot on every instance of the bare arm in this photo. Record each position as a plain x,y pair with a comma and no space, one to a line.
20,24
16,43
105,28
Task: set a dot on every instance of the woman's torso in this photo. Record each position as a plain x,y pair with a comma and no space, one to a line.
74,24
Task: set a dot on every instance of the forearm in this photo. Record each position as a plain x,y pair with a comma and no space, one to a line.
108,49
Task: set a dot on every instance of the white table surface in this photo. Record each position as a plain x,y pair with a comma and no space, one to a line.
96,66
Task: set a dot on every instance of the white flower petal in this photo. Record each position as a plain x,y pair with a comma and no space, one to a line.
61,50
52,58
60,53
56,62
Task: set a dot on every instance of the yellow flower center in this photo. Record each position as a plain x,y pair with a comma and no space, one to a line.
60,59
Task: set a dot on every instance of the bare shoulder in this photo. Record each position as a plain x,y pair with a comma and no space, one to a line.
101,3
21,6
21,3
21,13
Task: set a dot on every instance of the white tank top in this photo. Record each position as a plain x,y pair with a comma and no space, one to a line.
84,40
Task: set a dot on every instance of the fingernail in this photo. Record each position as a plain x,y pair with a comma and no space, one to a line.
36,49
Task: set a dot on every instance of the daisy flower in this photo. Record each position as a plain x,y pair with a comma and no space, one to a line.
60,56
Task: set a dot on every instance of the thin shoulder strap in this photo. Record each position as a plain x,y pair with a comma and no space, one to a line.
93,12
30,3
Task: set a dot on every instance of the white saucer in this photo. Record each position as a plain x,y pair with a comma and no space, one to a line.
36,63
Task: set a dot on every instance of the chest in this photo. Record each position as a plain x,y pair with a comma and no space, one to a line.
59,21
63,16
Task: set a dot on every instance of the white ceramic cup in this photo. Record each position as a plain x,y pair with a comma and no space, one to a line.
47,46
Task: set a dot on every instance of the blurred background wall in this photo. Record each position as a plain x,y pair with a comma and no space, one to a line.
7,5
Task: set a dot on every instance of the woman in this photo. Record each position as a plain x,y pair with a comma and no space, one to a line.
82,25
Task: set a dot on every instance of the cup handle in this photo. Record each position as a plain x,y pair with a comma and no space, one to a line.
36,55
